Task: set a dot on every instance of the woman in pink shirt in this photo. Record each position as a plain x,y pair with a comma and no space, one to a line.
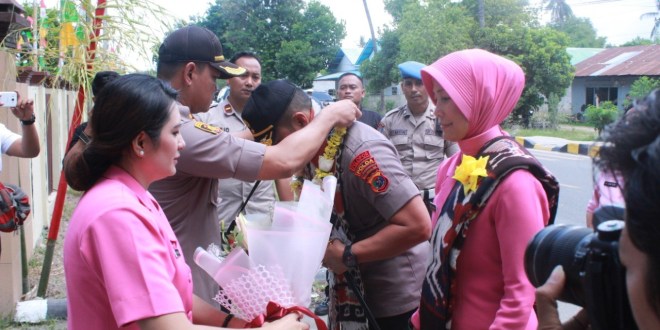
493,196
123,264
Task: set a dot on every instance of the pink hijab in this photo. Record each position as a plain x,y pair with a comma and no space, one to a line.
484,86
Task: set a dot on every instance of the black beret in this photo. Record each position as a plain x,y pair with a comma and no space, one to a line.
266,106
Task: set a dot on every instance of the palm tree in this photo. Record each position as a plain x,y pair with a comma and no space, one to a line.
560,11
655,32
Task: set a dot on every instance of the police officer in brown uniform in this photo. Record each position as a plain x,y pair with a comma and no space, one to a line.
191,60
415,132
382,224
226,115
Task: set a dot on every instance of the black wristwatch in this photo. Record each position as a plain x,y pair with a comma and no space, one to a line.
29,121
349,259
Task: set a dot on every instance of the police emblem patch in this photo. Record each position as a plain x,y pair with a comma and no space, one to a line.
207,128
364,166
379,182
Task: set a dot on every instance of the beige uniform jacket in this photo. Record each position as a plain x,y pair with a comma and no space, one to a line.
232,191
189,198
375,188
419,143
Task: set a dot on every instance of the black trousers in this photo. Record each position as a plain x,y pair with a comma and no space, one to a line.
397,322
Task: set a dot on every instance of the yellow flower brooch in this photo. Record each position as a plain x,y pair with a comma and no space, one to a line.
469,171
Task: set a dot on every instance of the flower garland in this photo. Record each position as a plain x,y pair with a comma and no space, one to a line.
469,171
326,161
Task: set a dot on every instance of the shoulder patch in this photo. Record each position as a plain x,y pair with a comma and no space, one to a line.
379,182
358,160
364,166
207,128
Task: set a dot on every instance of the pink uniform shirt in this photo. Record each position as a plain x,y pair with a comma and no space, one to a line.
122,260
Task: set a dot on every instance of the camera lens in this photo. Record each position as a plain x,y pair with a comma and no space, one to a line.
559,245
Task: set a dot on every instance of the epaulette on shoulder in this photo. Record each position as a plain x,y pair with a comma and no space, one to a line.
207,128
391,112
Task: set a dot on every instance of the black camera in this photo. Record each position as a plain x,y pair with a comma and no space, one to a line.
595,278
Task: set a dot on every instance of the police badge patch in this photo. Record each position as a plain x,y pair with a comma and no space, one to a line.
364,166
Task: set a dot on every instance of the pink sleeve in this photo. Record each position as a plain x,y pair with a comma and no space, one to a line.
520,210
128,253
593,202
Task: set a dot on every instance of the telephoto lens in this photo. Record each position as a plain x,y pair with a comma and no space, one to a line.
559,245
595,277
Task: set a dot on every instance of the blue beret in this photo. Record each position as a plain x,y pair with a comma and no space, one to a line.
265,107
411,69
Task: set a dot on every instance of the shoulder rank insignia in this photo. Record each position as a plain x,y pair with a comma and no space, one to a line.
228,109
207,128
364,166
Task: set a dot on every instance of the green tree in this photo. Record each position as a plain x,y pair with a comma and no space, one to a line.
381,70
295,40
601,116
642,87
639,41
580,32
433,29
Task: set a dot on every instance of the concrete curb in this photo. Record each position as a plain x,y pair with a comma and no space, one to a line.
572,147
40,310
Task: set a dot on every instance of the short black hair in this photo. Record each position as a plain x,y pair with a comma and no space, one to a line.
101,79
348,74
631,148
242,54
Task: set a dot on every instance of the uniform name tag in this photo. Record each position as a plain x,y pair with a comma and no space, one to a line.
399,132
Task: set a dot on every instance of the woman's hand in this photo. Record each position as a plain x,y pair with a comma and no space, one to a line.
289,322
546,305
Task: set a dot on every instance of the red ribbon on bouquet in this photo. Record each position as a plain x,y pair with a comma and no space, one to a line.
275,311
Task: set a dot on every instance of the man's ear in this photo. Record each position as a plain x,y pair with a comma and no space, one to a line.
188,72
300,120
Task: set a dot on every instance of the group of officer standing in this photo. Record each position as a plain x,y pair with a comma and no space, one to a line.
217,169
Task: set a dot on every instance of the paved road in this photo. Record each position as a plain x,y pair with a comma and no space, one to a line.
574,173
575,182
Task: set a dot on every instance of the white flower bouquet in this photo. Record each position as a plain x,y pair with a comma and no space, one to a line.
285,253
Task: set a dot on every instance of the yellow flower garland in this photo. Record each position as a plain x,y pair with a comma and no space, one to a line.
469,171
329,154
326,161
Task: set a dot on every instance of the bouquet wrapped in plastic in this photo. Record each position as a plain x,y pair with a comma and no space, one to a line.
285,253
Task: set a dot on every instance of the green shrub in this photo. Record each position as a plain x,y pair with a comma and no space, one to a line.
602,115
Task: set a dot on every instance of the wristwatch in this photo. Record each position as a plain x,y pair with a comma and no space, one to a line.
349,259
29,121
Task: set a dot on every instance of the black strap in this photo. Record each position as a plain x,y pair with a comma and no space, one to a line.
349,278
240,209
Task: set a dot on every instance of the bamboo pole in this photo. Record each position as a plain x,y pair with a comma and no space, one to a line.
62,186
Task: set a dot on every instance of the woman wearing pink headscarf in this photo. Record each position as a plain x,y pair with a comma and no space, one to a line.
494,187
